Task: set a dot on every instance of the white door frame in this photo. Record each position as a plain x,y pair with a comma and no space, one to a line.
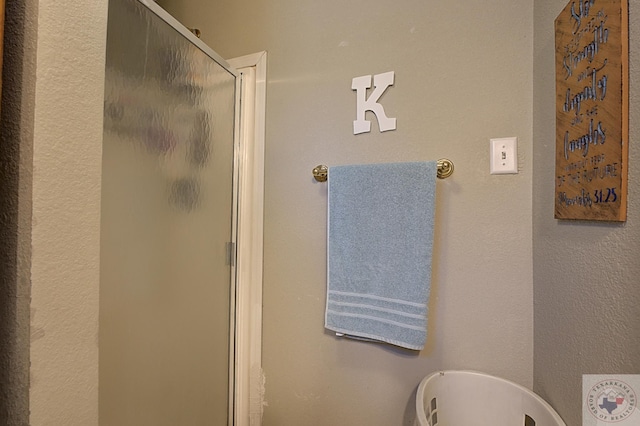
249,379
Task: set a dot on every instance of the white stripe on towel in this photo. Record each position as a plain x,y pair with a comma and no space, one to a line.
369,296
399,324
375,308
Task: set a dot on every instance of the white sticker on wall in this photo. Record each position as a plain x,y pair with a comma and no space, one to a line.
360,84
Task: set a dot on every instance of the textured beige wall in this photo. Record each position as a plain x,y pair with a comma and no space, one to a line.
463,75
67,144
586,275
15,221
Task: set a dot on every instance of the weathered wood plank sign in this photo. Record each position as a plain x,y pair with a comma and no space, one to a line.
1,40
592,110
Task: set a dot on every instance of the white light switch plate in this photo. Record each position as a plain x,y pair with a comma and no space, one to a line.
503,155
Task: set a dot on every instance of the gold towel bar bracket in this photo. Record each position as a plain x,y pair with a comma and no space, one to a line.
445,169
321,173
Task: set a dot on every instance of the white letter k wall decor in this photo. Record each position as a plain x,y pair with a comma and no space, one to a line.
361,84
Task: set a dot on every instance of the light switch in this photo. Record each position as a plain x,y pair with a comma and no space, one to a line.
503,155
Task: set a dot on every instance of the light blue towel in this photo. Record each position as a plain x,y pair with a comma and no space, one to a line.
380,240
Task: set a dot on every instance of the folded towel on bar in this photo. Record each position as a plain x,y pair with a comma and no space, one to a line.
380,240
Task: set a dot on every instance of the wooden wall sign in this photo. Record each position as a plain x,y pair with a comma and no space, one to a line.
1,40
592,110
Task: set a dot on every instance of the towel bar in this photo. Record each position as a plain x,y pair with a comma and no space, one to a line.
445,169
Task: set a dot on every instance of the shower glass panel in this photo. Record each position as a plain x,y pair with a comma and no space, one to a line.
166,290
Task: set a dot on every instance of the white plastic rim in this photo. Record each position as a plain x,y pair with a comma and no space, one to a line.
421,417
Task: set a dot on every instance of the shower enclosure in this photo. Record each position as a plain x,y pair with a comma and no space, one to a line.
168,225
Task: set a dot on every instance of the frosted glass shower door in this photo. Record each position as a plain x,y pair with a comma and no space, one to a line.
166,290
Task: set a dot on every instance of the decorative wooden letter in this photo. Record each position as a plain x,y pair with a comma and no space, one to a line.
361,84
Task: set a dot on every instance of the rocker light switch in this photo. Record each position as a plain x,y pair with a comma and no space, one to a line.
503,156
